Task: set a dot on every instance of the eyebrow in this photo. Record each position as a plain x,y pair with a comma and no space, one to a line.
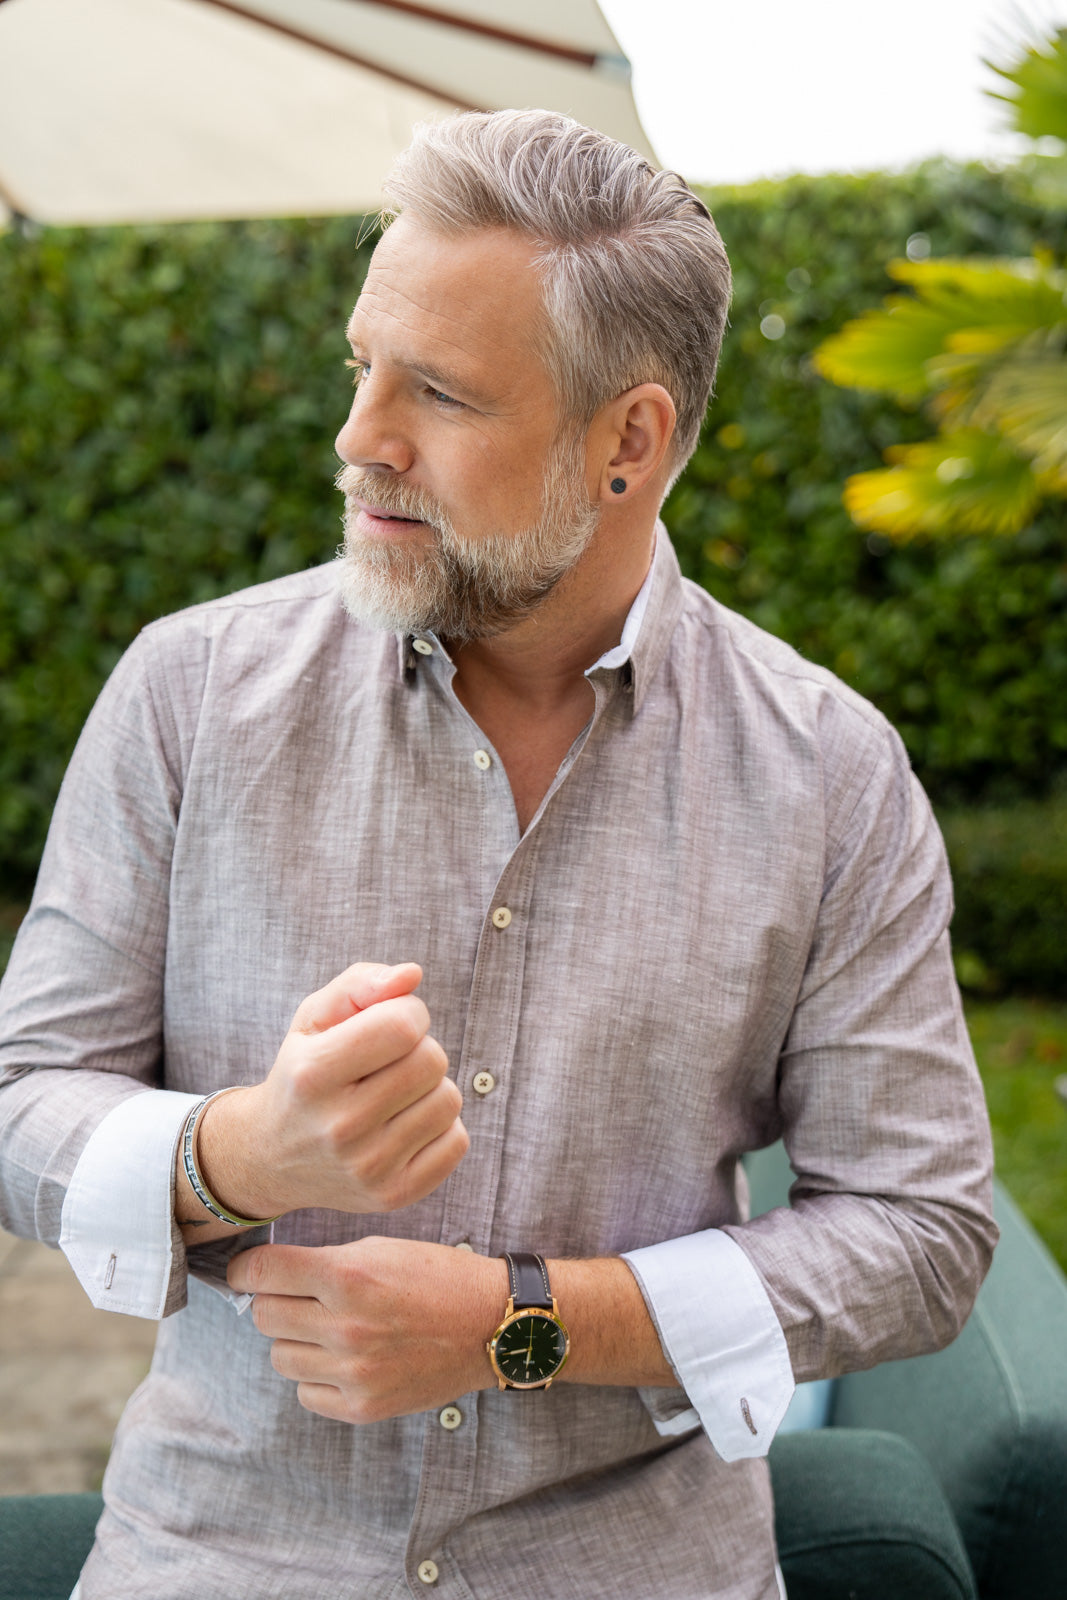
446,379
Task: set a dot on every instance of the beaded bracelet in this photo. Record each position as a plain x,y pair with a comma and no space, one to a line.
192,1171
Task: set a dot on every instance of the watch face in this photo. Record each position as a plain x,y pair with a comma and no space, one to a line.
530,1349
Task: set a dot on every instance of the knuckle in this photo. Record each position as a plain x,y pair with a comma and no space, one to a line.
255,1265
460,1138
452,1095
361,1410
393,1194
302,1074
406,1031
432,1059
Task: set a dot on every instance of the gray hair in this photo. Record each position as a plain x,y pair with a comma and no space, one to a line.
635,280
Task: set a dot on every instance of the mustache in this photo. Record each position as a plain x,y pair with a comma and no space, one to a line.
381,490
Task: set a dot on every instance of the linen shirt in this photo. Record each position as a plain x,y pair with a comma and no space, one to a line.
726,922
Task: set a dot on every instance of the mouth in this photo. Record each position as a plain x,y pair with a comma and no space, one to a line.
378,515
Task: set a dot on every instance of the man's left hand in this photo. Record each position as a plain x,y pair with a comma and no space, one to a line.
376,1328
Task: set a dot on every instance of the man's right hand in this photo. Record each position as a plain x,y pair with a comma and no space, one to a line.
356,1114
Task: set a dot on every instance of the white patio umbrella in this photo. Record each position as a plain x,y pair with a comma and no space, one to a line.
163,110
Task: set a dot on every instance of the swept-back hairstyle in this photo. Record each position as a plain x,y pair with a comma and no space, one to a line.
634,276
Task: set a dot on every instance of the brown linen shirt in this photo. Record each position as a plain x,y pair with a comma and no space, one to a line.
728,923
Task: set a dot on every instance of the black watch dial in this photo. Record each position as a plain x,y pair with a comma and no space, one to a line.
530,1349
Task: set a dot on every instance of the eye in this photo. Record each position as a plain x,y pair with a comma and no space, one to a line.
360,370
445,400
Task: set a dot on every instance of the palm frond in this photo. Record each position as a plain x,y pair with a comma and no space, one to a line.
1038,97
958,483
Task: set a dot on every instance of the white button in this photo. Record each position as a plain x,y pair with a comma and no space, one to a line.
483,1083
450,1417
425,648
483,760
428,1571
465,1244
501,917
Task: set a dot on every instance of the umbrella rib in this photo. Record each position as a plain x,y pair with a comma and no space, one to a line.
14,207
525,41
341,54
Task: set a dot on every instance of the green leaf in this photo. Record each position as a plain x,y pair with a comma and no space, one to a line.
964,482
1003,298
1026,399
886,350
1038,99
964,315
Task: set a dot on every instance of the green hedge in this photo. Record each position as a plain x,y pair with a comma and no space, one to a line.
964,645
1009,869
168,399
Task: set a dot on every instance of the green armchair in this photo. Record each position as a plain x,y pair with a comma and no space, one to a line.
939,1478
945,1475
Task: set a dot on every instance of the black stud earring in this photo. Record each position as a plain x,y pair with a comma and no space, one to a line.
618,485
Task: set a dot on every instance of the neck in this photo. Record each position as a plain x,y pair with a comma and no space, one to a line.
542,660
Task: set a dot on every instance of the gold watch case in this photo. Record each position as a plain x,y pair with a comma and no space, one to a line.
532,1314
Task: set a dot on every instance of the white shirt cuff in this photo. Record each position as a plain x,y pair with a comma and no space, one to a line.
118,1210
720,1334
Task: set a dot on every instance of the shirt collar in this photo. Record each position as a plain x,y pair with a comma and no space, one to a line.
649,623
645,633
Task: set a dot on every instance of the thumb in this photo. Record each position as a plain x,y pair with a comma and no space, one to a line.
365,984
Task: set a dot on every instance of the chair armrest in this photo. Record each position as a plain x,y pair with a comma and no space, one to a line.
990,1415
44,1540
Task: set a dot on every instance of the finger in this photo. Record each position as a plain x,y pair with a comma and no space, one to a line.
384,1094
430,1165
364,1043
324,1399
303,1363
287,1269
366,984
286,1316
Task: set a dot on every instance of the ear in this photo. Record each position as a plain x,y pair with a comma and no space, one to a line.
629,440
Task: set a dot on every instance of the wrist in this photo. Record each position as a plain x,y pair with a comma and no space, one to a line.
230,1156
613,1337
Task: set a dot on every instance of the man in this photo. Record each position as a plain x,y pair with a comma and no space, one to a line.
671,892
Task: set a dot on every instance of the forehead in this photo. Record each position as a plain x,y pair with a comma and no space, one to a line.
470,303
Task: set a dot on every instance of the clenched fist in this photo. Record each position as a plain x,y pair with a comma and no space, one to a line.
357,1113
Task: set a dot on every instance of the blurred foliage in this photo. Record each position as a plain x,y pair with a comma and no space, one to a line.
168,401
169,397
1021,1046
1009,871
983,343
963,644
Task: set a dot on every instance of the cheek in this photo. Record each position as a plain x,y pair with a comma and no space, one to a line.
503,479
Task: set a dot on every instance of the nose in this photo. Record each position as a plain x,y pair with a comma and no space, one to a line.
373,436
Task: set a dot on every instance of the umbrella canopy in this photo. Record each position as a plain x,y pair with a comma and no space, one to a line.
166,110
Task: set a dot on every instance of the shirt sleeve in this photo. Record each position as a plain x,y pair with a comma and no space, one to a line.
719,1332
118,1215
888,1232
889,1228
118,1228
81,1009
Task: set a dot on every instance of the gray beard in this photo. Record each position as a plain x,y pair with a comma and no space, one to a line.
460,588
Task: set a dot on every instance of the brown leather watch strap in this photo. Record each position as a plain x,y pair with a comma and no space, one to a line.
528,1280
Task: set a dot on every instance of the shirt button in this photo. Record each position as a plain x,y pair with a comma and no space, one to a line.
425,648
483,1083
450,1417
427,1571
465,1244
501,917
483,760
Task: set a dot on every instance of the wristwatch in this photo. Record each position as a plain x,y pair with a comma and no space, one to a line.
531,1344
